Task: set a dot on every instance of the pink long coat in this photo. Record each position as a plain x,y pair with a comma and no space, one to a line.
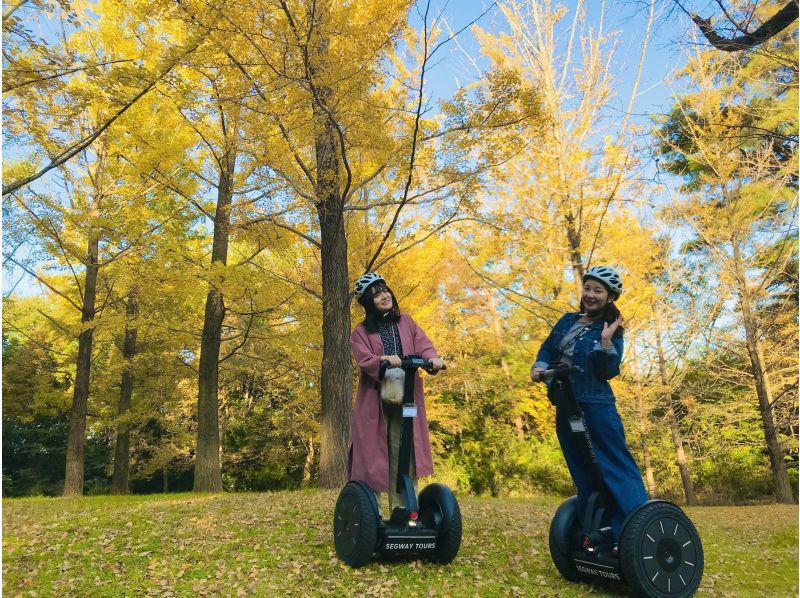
369,454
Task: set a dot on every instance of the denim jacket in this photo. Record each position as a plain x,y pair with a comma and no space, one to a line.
599,365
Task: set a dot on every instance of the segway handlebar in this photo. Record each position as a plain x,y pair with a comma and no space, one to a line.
411,362
415,361
560,373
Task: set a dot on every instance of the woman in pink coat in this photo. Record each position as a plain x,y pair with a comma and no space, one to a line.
386,335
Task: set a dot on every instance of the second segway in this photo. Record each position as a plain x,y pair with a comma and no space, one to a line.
659,552
427,526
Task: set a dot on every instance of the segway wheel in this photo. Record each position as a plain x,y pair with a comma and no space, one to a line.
661,554
449,540
355,525
562,536
439,510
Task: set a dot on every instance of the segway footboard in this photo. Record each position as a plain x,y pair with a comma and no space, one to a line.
432,529
572,560
406,541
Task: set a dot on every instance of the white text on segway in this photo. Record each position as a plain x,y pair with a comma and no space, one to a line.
411,546
590,571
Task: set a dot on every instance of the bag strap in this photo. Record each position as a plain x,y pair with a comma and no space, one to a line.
571,343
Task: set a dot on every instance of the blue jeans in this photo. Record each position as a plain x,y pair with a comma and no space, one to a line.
621,476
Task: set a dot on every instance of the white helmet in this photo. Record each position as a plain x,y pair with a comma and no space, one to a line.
362,284
607,276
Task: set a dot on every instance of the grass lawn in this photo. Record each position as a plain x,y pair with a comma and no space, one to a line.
280,544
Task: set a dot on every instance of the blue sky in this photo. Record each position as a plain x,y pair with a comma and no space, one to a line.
669,39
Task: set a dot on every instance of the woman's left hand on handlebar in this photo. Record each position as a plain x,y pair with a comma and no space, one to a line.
436,364
536,374
392,360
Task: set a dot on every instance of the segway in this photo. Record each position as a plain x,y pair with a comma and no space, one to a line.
659,552
429,526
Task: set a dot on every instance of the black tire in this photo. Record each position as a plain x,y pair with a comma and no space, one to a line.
661,553
439,510
449,540
355,525
562,536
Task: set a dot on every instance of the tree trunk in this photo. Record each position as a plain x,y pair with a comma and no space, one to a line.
207,471
648,462
675,431
337,382
783,489
122,457
308,468
73,481
642,417
519,422
574,240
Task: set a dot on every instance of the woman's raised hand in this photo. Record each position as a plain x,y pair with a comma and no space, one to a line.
608,332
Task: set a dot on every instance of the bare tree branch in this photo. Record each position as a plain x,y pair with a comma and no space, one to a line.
777,23
414,141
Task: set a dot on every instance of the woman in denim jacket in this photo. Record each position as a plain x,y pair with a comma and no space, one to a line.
592,340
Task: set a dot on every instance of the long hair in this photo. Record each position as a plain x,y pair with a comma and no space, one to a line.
610,312
372,317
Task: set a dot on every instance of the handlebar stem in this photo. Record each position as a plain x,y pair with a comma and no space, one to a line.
560,372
